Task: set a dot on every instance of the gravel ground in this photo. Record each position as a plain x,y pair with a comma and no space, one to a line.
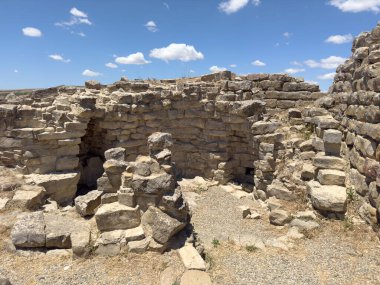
332,255
217,217
38,268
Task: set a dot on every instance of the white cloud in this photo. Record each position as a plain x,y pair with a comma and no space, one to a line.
294,70
312,82
166,5
233,65
356,6
256,2
32,32
134,58
331,62
151,26
232,6
258,63
175,51
215,69
77,13
77,18
81,34
111,65
15,71
90,73
327,76
297,63
287,34
340,39
59,57
192,71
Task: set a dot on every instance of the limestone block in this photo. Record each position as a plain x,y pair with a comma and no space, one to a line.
365,146
260,128
29,196
159,225
327,198
329,162
308,171
279,217
116,216
357,181
278,190
191,258
29,230
331,177
87,204
60,187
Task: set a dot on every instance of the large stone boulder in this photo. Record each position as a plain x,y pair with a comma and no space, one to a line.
60,187
159,225
195,277
328,198
58,231
29,230
156,183
115,216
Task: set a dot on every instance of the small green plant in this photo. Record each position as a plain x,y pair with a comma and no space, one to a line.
307,132
215,242
351,195
176,282
348,223
251,248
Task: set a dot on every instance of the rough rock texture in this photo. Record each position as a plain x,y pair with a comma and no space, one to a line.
328,198
29,230
87,204
116,216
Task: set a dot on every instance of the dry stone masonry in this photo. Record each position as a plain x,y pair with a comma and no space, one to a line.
98,165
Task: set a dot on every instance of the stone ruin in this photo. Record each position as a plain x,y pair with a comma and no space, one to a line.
87,146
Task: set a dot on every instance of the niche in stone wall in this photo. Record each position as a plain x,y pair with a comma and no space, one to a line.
91,157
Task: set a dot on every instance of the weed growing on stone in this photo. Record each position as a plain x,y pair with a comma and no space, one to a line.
351,195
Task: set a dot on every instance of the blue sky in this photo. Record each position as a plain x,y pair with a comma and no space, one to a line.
48,43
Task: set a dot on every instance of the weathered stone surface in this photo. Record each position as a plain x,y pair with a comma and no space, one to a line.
159,225
115,216
4,281
327,198
278,190
279,217
138,246
58,231
159,141
29,196
29,230
308,171
86,205
331,177
159,183
195,277
357,181
117,153
60,187
191,258
329,162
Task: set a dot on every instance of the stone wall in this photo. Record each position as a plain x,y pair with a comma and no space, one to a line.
354,105
211,119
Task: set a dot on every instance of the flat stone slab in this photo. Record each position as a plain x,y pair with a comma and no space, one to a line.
331,177
3,203
29,230
328,198
115,216
191,258
60,187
